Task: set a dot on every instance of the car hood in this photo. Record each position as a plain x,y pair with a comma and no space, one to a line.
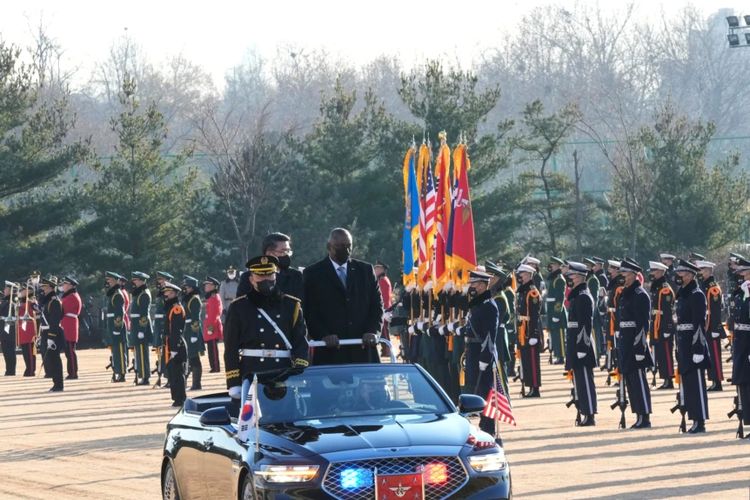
371,433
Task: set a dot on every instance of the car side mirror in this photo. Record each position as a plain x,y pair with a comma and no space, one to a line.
215,416
470,403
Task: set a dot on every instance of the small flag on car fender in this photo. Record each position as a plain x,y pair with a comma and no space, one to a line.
250,409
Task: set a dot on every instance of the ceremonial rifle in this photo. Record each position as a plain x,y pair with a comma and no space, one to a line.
621,401
680,403
737,410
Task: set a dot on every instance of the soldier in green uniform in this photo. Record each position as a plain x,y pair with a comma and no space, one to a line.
509,290
114,330
193,331
140,325
557,316
159,342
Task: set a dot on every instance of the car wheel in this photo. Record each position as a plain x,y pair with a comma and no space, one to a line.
247,493
169,484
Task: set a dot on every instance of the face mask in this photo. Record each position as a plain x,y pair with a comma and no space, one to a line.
678,279
266,287
231,275
285,261
472,292
569,282
341,254
651,277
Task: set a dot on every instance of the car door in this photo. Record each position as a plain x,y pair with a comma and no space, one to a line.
189,459
222,463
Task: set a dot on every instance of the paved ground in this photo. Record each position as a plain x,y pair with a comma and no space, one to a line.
99,440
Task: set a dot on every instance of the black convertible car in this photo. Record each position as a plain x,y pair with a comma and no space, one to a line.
385,431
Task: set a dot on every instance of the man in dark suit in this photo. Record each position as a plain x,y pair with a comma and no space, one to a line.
342,301
288,278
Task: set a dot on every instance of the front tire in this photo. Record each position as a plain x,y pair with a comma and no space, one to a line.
247,492
169,484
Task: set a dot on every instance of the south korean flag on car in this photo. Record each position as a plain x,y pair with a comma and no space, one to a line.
249,409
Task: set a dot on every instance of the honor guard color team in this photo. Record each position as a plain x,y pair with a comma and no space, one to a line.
670,321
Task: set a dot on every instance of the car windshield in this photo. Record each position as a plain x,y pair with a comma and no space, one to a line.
340,391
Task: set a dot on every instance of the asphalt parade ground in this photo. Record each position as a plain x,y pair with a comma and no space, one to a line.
101,440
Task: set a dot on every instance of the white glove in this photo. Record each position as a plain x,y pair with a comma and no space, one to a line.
581,355
51,345
193,340
697,358
116,333
438,318
172,354
442,330
748,357
533,341
141,335
715,335
640,357
420,325
451,327
555,320
235,392
387,316
411,330
745,286
483,366
667,335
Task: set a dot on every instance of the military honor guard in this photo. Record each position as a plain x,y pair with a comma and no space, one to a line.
159,342
580,358
26,326
481,334
114,331
176,354
693,357
8,307
228,289
265,330
141,327
72,305
668,260
556,313
614,289
529,330
505,350
213,329
193,332
741,345
662,322
51,332
633,356
714,328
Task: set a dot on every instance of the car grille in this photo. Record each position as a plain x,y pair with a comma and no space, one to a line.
457,476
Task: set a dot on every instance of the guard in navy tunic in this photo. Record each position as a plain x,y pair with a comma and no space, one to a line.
693,358
633,356
741,341
481,336
580,358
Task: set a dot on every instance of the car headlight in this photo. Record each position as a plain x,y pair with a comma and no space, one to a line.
489,462
288,473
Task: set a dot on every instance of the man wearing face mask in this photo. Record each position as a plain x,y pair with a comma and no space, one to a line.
265,329
228,290
193,332
693,358
614,289
580,359
662,322
556,314
52,333
714,328
741,344
481,334
529,330
342,301
633,357
288,278
114,331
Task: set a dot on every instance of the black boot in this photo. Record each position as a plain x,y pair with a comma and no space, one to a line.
668,384
587,421
197,370
533,393
715,387
699,427
643,422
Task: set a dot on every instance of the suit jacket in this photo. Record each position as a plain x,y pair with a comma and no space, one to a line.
348,312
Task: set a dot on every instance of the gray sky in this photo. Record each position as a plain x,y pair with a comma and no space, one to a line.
217,34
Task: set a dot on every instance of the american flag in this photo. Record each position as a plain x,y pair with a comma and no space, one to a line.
498,405
427,225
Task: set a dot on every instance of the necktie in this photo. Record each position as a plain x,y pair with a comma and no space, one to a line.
341,271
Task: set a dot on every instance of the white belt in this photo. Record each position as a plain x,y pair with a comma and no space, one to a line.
742,327
627,324
44,327
158,316
551,299
188,321
135,315
654,312
572,324
71,315
611,309
264,353
523,318
110,315
685,326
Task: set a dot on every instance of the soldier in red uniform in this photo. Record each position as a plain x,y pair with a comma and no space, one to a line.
213,330
26,327
386,292
71,304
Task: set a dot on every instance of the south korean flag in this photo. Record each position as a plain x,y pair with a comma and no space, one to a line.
250,410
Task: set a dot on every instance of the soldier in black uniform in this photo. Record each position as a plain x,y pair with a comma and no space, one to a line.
481,334
140,325
529,330
174,344
633,357
693,357
8,327
735,299
668,260
265,331
714,331
193,332
504,349
580,358
52,333
662,322
600,306
288,279
741,341
614,289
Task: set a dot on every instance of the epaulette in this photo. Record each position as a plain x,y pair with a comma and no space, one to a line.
238,298
534,292
665,285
